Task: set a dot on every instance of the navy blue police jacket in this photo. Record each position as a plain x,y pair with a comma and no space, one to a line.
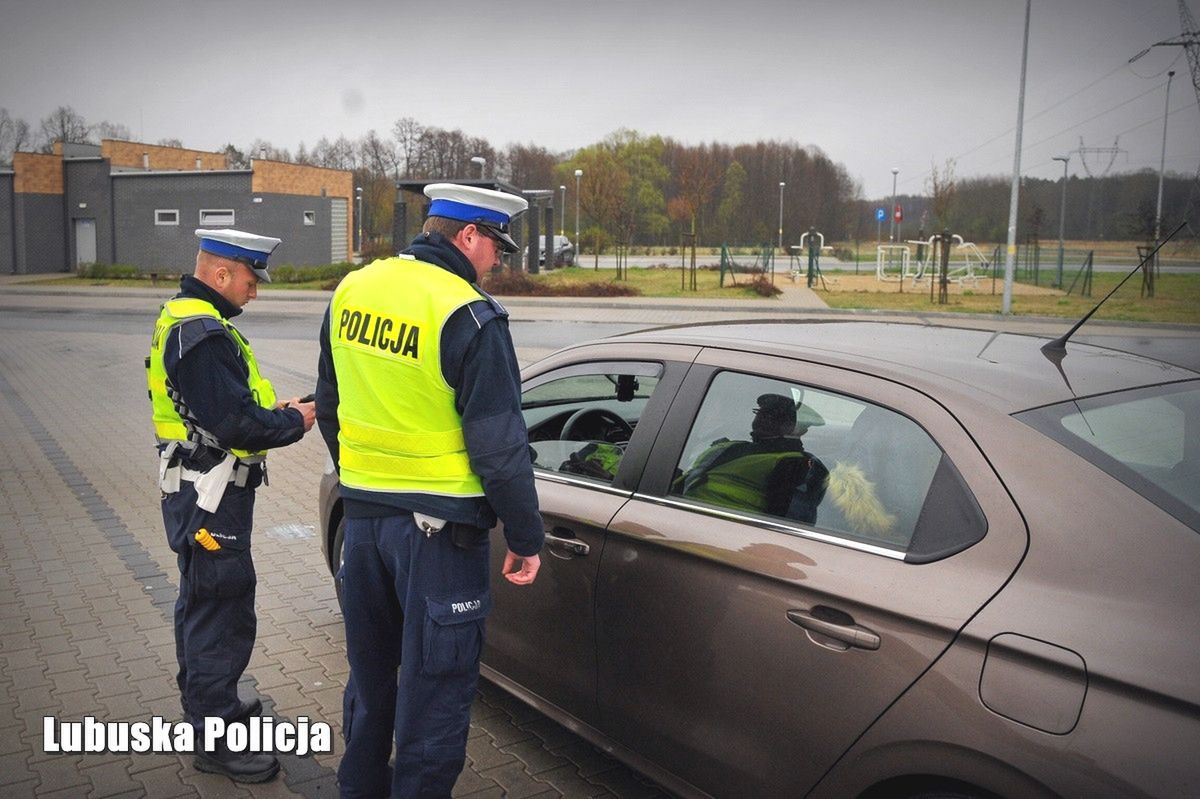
204,364
479,363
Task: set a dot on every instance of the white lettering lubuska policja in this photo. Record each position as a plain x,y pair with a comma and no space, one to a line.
265,734
117,737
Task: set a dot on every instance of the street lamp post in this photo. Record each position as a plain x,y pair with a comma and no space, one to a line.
578,243
1162,164
892,227
479,159
358,196
781,185
562,219
1062,218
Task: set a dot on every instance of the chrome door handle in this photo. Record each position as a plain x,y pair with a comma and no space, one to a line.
847,632
572,545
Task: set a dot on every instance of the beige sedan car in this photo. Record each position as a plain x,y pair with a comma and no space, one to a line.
862,559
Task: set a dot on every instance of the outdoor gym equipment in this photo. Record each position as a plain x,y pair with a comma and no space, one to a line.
814,257
962,272
886,258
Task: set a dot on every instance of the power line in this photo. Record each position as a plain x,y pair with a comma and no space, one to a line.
1039,114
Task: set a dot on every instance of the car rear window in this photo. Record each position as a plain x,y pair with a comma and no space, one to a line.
843,466
1148,438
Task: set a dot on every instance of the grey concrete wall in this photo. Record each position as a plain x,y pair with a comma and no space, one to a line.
40,233
87,183
282,216
8,259
171,248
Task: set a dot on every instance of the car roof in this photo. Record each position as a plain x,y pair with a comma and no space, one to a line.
1006,371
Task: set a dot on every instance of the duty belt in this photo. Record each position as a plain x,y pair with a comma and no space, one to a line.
210,483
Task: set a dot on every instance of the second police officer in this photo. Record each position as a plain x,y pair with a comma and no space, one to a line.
419,402
215,416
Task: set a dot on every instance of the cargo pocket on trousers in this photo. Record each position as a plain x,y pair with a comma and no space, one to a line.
454,633
227,573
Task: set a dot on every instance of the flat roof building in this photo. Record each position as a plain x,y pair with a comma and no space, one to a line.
123,202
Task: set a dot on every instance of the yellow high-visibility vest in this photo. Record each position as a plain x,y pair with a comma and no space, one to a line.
399,429
168,424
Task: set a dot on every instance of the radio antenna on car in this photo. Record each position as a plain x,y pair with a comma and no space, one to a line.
1058,347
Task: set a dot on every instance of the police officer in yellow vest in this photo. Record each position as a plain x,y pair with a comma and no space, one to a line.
215,416
419,401
771,473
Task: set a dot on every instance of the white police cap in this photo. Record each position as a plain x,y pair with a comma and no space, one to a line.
493,210
248,248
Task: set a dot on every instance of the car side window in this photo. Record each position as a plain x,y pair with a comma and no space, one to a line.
580,420
836,463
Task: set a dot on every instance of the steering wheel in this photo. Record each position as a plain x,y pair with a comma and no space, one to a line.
579,420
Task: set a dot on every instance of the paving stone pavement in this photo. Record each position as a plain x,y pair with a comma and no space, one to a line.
87,586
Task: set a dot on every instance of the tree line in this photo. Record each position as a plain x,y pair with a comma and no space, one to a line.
650,190
1116,207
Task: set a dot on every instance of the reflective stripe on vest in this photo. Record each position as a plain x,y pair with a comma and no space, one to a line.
168,424
398,427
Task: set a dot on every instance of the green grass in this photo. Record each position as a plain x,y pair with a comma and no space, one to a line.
1176,300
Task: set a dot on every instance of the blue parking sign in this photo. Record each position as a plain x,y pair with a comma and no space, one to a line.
880,214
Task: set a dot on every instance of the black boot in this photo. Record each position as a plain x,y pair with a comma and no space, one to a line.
246,710
237,766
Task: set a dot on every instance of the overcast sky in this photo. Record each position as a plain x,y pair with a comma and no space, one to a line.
876,84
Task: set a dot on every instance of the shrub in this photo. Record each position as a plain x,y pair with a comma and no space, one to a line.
510,283
764,287
100,271
374,250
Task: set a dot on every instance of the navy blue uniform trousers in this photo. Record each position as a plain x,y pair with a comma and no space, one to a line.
415,608
215,623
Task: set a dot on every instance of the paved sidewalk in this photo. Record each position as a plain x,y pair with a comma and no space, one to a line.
87,586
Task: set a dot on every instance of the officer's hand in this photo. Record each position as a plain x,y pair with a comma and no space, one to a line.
307,409
524,575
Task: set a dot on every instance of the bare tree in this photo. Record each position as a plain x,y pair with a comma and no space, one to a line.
265,150
170,143
529,166
942,188
407,133
14,136
378,156
66,125
111,130
235,158
339,154
697,176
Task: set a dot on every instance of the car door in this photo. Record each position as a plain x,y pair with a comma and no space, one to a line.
541,638
745,640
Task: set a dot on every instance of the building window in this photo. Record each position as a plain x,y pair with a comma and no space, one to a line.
310,217
165,216
213,217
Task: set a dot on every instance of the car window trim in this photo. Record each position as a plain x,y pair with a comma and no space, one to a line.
771,524
582,482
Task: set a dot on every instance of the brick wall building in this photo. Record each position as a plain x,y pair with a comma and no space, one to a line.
125,202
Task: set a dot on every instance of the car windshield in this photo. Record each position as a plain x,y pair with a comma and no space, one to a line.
1148,438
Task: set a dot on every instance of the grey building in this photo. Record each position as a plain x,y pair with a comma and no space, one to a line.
130,203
